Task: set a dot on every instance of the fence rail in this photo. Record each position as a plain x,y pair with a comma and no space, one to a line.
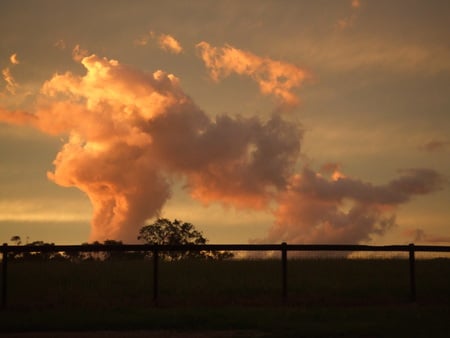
155,249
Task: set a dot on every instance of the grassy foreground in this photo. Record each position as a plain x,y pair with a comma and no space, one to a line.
326,298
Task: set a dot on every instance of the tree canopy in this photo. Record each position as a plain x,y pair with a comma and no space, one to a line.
166,232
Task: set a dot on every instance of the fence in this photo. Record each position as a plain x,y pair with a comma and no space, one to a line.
283,248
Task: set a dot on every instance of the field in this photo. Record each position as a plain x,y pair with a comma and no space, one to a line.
326,298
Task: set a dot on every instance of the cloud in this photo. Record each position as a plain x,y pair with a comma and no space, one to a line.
11,84
13,59
60,44
20,118
417,181
78,53
349,21
39,211
237,161
420,236
315,209
109,154
356,3
344,53
273,77
165,41
139,131
435,146
142,40
169,43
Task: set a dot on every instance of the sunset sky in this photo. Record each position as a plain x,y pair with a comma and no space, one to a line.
257,121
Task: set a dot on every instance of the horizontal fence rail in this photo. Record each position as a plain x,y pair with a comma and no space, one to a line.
219,247
155,249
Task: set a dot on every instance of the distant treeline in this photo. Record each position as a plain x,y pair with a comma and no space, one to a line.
161,232
71,256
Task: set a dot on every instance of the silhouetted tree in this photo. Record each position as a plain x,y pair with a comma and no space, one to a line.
16,240
163,231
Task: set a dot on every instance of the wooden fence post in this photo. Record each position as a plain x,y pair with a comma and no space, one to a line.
412,273
155,275
4,273
284,271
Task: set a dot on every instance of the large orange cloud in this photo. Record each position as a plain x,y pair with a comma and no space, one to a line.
129,132
109,153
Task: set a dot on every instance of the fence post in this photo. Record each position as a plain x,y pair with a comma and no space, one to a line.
155,275
412,273
284,271
4,273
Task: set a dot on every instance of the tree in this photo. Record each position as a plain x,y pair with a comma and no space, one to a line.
35,255
163,231
16,240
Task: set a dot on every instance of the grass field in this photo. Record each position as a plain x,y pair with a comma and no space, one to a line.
326,297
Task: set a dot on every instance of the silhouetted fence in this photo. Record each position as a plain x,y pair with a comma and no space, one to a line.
283,248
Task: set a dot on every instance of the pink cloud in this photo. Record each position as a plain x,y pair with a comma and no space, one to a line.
273,77
14,59
315,209
165,42
169,43
11,83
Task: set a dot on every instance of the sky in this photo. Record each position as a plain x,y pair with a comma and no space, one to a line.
256,121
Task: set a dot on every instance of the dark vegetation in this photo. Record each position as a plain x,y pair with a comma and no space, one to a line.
326,297
202,292
162,231
127,283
